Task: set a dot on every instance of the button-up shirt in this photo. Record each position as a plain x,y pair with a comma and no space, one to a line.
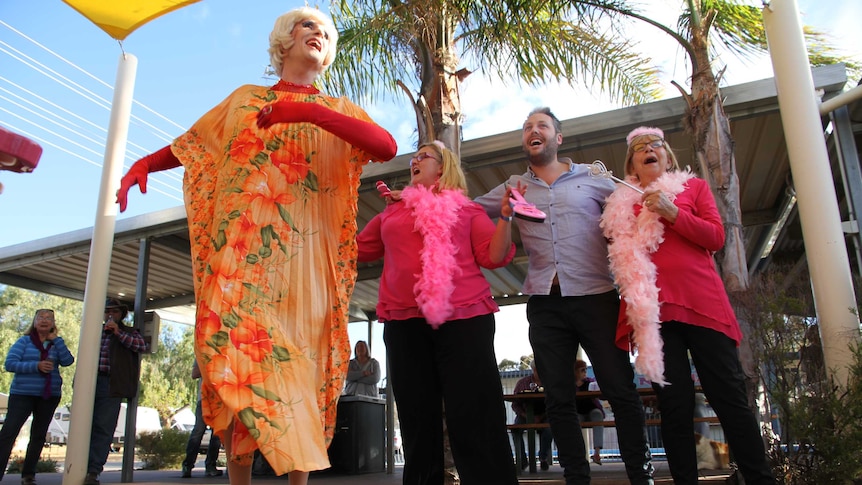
131,340
569,244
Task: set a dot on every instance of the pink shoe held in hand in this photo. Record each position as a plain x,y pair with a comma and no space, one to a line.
525,210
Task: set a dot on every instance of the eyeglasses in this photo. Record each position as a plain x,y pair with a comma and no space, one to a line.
422,156
639,147
44,314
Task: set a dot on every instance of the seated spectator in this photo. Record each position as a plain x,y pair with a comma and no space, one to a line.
363,373
589,408
532,383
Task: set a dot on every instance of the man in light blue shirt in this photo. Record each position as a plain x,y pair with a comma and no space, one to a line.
573,301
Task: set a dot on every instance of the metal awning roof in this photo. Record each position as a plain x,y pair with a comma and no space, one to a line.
58,265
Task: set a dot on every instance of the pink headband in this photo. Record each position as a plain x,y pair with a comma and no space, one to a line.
439,144
643,130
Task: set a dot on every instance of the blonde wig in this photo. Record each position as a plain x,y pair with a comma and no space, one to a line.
281,38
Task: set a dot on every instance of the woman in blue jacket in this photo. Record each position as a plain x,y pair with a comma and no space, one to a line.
35,359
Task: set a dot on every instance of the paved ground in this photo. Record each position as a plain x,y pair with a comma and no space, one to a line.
611,473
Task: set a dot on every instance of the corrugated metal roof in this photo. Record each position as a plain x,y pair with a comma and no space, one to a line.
58,265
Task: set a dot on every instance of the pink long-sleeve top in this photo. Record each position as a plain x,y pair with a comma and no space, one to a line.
391,235
690,289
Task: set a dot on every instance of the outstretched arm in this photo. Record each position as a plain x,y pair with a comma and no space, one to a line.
361,134
163,159
501,242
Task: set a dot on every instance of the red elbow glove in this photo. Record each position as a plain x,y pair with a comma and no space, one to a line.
361,134
163,159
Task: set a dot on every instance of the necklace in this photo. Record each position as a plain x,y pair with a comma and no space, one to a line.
283,85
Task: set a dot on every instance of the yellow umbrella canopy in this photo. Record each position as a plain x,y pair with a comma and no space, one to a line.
121,18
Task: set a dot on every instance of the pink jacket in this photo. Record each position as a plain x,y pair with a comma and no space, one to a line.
392,235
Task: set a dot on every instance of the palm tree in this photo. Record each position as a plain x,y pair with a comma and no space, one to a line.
389,43
703,29
739,29
418,46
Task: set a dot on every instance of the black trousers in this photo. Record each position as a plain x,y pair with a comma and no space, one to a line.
453,366
20,407
716,359
558,325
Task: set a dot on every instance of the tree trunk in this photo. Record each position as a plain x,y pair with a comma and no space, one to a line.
444,105
709,127
440,87
714,152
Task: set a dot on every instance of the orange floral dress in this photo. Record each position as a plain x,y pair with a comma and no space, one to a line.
272,223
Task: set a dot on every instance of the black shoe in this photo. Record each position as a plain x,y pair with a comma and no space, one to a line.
544,465
524,463
91,479
187,472
214,472
28,480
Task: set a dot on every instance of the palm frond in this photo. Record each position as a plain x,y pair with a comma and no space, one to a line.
529,41
735,27
822,52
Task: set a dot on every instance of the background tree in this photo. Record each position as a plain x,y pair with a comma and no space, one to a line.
507,364
166,375
820,420
166,382
419,45
705,30
17,308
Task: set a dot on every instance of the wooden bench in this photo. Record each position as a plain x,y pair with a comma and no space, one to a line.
531,428
592,424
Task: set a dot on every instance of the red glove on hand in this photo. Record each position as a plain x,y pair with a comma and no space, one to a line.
366,136
163,159
287,112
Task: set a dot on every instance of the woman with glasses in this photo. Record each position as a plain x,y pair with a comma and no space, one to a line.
674,303
35,359
438,317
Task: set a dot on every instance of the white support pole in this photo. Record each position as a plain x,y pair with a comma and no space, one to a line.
842,99
825,248
78,446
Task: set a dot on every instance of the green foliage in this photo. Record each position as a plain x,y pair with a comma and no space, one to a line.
522,364
17,308
164,449
42,466
736,27
825,434
820,421
166,382
821,52
384,43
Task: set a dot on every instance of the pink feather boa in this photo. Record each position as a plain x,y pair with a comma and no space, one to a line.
634,239
435,215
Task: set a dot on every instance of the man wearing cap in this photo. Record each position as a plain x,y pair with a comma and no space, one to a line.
573,302
119,370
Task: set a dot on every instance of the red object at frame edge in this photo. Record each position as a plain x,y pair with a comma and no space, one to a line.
18,153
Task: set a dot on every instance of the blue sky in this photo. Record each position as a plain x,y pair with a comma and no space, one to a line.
54,62
188,61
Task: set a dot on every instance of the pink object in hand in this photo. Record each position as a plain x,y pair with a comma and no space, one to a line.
525,210
383,189
18,153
